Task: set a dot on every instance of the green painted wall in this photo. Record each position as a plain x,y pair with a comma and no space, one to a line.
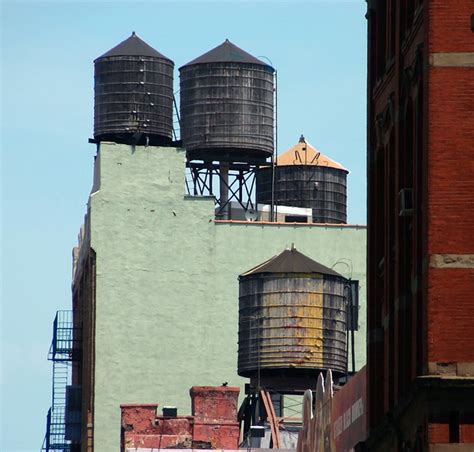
167,289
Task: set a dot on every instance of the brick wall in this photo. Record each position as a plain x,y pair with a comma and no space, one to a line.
450,315
421,266
212,425
450,182
449,22
451,160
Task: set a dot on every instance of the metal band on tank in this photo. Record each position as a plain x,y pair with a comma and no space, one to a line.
133,94
272,336
218,108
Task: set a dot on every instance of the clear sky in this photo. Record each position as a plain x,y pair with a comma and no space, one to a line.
318,48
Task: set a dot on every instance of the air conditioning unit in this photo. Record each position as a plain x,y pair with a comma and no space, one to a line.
406,202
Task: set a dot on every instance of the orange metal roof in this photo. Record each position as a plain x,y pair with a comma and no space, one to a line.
302,153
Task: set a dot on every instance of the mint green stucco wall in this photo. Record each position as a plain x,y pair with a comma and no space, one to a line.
167,289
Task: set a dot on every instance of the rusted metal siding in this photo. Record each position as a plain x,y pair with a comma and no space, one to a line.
133,94
318,187
227,110
291,321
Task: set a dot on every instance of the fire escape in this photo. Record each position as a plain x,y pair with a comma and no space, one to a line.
63,419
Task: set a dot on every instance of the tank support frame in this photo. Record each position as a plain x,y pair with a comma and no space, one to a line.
258,409
226,182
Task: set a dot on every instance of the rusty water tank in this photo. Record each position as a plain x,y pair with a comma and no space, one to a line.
227,106
133,94
306,178
292,321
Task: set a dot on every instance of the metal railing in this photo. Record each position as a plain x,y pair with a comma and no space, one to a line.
67,340
65,348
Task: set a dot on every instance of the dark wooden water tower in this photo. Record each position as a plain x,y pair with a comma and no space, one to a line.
306,178
292,322
227,121
133,95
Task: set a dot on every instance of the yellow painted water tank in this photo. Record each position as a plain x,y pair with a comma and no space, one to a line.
292,320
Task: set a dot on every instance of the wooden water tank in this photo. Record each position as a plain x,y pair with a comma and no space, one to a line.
292,319
133,94
226,106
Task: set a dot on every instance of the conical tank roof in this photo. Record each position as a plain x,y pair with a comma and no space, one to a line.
227,52
133,46
291,261
303,153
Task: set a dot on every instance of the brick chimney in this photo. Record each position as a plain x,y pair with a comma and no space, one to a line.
214,409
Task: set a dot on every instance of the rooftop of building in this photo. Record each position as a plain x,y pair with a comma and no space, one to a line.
283,223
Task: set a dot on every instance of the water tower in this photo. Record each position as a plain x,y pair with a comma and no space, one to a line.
292,327
292,322
227,122
303,177
133,95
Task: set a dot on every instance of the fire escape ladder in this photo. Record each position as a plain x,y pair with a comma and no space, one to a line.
65,348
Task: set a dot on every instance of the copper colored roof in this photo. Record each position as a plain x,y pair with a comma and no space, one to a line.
291,261
133,46
227,52
303,153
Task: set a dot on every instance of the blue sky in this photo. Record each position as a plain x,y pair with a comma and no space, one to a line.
318,48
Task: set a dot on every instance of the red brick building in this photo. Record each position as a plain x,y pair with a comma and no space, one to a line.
421,225
213,423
